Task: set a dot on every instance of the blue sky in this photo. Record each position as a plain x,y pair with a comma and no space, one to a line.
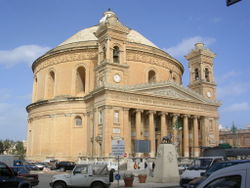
29,28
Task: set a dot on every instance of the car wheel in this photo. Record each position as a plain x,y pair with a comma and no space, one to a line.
97,185
59,185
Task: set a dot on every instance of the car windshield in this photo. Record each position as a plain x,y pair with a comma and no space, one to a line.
100,170
215,167
200,164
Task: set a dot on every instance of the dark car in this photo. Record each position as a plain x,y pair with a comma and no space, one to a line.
24,172
9,180
26,164
219,165
65,165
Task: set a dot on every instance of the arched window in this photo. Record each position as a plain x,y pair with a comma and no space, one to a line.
80,80
35,89
207,75
151,76
51,84
116,54
78,121
197,76
104,52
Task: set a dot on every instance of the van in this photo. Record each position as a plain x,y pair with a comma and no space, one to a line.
237,176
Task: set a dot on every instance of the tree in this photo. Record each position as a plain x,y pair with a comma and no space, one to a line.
8,146
19,150
233,129
1,147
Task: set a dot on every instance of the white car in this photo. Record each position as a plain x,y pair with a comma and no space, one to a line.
84,175
237,176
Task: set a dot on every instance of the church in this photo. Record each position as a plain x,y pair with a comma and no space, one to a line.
108,82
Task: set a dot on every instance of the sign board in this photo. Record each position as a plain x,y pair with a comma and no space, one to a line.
118,147
117,176
142,146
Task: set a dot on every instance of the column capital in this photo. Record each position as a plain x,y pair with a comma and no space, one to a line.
195,117
163,113
138,110
151,112
185,115
174,115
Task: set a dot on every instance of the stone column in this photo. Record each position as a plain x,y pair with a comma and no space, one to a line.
175,131
152,132
164,129
107,131
185,136
196,137
138,124
217,131
204,131
127,130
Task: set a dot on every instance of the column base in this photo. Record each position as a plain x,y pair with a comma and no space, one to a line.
196,154
186,154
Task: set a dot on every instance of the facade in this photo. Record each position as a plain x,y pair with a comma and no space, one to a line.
108,82
239,138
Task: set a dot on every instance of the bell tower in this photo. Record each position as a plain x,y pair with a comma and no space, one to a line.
112,36
200,63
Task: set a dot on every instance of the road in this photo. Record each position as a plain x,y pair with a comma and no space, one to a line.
45,178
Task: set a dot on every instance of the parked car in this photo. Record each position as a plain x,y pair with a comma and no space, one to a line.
40,165
199,165
84,175
65,165
236,176
9,180
219,165
22,171
29,165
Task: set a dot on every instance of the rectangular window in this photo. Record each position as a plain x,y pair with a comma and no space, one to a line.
100,117
116,116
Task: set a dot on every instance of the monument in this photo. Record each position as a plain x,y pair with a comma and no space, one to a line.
166,167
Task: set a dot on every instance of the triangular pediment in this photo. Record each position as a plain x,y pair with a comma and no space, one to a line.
171,90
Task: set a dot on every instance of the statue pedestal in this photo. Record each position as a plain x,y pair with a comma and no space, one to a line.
166,167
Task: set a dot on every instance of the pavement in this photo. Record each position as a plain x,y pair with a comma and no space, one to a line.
45,177
148,184
144,185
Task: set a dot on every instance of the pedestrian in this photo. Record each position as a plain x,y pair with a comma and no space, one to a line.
135,165
153,166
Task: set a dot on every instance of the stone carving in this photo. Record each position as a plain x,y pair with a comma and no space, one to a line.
171,92
64,58
167,139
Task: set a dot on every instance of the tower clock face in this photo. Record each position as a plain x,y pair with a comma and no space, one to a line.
117,78
209,94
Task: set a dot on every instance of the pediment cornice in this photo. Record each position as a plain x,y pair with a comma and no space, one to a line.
165,89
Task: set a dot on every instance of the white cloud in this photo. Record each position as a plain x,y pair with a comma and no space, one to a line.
244,106
13,121
22,54
227,76
233,89
187,45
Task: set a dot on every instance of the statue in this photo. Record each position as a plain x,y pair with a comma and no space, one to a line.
167,139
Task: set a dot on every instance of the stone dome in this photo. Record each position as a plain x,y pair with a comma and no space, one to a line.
88,34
